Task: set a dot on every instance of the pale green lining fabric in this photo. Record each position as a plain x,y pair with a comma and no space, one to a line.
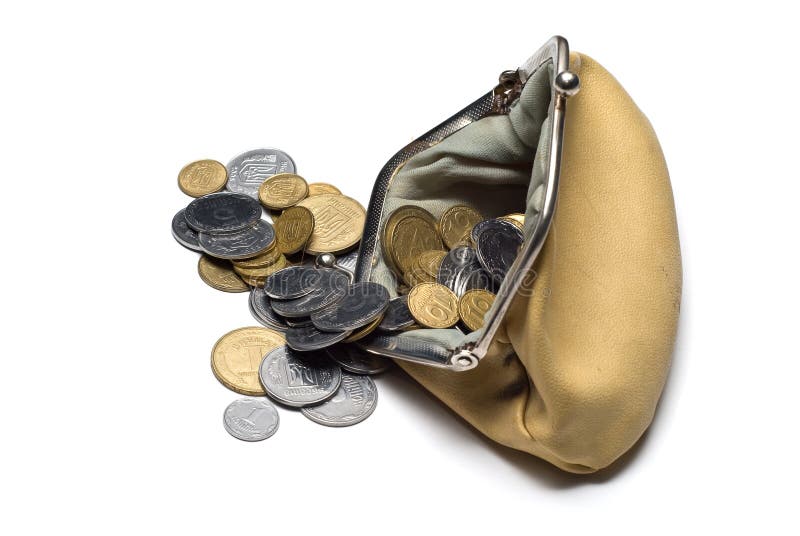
496,165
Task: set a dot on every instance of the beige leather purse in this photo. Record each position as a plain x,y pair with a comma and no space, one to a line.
574,353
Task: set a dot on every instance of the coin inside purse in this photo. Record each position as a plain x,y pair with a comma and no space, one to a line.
495,162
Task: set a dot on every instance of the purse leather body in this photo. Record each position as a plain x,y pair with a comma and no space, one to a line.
578,371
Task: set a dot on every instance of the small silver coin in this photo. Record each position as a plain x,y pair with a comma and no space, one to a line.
330,289
356,361
292,282
362,303
185,235
398,316
299,380
497,246
298,322
456,259
241,244
251,419
247,171
222,212
308,338
355,400
262,311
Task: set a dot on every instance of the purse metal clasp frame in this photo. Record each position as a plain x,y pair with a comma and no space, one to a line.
467,356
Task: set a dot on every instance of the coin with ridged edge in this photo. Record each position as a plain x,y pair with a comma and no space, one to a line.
456,223
357,361
497,246
331,287
354,401
219,274
473,306
249,170
282,191
202,178
262,311
237,355
298,380
292,282
263,271
362,303
293,229
251,419
243,244
397,317
185,235
338,223
223,212
360,333
433,305
308,338
453,262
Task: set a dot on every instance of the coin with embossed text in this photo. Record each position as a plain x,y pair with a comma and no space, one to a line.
249,170
362,303
456,223
222,212
298,380
308,338
338,223
293,229
497,246
398,316
251,419
219,274
331,287
282,191
317,188
354,401
473,306
202,178
185,235
293,282
357,361
433,305
242,244
262,311
237,355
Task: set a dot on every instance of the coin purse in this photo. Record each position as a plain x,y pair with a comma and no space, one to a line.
573,355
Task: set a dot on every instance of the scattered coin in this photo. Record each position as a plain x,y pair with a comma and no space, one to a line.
251,419
317,188
222,212
473,306
185,235
261,272
237,355
354,401
294,228
356,361
456,223
433,305
398,316
497,245
282,191
262,260
248,170
331,287
362,303
292,282
202,178
218,274
262,311
248,242
360,333
298,380
338,223
308,338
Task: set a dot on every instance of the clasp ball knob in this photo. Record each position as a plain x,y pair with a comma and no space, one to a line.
567,83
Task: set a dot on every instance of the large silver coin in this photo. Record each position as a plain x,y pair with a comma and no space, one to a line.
262,311
308,338
356,361
298,380
479,228
456,259
398,316
185,235
292,282
222,212
330,289
251,419
355,400
242,244
497,246
362,303
247,171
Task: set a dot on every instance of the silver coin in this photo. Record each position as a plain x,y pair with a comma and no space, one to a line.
355,400
362,303
330,289
472,276
348,261
247,171
299,380
397,316
185,235
355,360
241,244
292,282
262,311
455,259
308,338
222,212
251,419
298,322
479,228
497,246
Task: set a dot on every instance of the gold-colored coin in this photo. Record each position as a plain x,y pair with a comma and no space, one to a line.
456,223
317,188
430,261
517,217
433,305
293,229
363,332
408,231
282,191
338,223
202,178
473,306
219,274
237,356
261,272
268,258
256,282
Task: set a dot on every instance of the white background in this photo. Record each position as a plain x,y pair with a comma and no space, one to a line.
111,418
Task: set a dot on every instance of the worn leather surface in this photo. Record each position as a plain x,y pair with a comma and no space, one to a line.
577,373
